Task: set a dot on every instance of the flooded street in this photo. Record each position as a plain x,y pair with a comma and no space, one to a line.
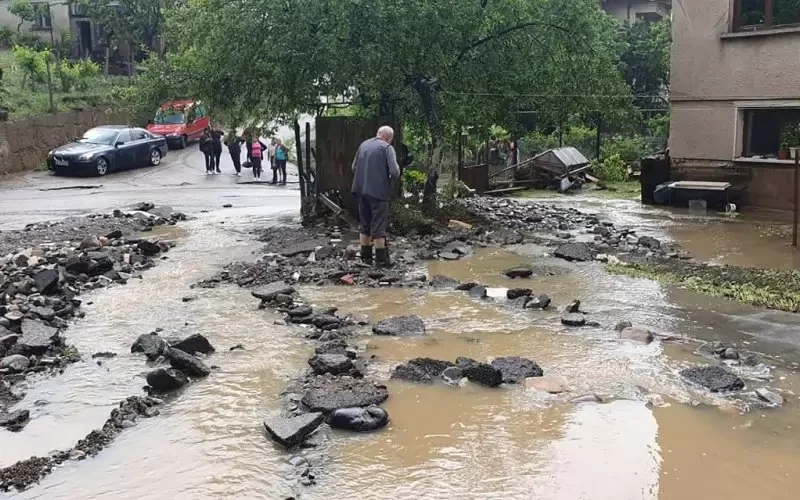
652,437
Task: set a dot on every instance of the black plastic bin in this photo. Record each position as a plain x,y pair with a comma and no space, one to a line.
655,171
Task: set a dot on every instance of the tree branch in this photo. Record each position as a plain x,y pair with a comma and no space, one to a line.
503,32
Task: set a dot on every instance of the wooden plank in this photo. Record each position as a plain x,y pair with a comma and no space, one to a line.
505,190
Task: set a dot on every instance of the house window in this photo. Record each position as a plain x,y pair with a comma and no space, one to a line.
42,19
765,14
78,10
769,133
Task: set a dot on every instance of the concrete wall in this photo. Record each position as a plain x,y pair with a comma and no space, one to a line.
716,75
24,144
59,18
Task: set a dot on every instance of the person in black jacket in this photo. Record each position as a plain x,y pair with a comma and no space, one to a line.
206,148
234,144
216,148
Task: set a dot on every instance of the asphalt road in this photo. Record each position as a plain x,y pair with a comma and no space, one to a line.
179,182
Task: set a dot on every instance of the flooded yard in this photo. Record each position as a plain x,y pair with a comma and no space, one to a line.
647,434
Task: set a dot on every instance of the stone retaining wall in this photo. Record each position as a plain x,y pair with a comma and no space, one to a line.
24,144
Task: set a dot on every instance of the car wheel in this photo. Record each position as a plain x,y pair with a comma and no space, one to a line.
155,157
101,166
184,142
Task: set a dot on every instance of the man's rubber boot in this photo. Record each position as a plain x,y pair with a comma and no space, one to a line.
366,254
382,257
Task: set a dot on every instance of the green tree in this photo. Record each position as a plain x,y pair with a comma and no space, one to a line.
444,63
27,11
646,59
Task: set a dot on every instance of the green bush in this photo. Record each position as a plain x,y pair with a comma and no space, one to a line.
414,182
630,148
28,40
579,137
32,63
536,142
612,169
87,69
69,75
6,36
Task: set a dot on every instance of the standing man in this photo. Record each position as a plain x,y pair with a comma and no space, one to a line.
374,167
205,147
216,147
234,143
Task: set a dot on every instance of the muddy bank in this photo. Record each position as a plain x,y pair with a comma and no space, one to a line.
27,472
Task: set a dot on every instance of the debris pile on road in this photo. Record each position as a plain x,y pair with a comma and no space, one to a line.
182,355
334,390
25,473
40,284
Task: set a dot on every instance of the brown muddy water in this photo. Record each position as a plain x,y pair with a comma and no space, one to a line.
442,442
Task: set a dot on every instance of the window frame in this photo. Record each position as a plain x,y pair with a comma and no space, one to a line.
143,135
741,128
123,133
767,25
43,20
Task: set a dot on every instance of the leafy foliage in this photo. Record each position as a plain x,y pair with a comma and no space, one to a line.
414,183
77,74
612,169
441,65
646,60
580,137
27,11
32,63
629,148
6,36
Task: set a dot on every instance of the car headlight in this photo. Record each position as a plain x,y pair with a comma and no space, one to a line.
86,156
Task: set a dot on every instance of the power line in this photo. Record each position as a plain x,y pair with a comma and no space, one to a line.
493,94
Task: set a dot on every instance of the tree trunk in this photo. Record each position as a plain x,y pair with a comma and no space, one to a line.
428,89
108,57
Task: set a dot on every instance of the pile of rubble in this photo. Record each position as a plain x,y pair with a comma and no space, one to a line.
40,286
24,473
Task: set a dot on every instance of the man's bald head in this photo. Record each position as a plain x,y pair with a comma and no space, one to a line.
386,134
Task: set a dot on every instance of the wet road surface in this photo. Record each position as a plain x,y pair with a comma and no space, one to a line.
179,182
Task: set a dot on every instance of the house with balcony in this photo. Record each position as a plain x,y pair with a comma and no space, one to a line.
638,10
56,17
735,96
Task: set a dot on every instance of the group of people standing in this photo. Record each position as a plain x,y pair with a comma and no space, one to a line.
276,153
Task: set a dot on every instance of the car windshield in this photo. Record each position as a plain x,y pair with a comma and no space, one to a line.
169,118
100,136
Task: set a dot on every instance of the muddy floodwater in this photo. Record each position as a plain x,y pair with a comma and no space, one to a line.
653,437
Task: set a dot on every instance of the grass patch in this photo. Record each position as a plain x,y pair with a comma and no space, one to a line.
771,288
25,102
620,190
628,190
